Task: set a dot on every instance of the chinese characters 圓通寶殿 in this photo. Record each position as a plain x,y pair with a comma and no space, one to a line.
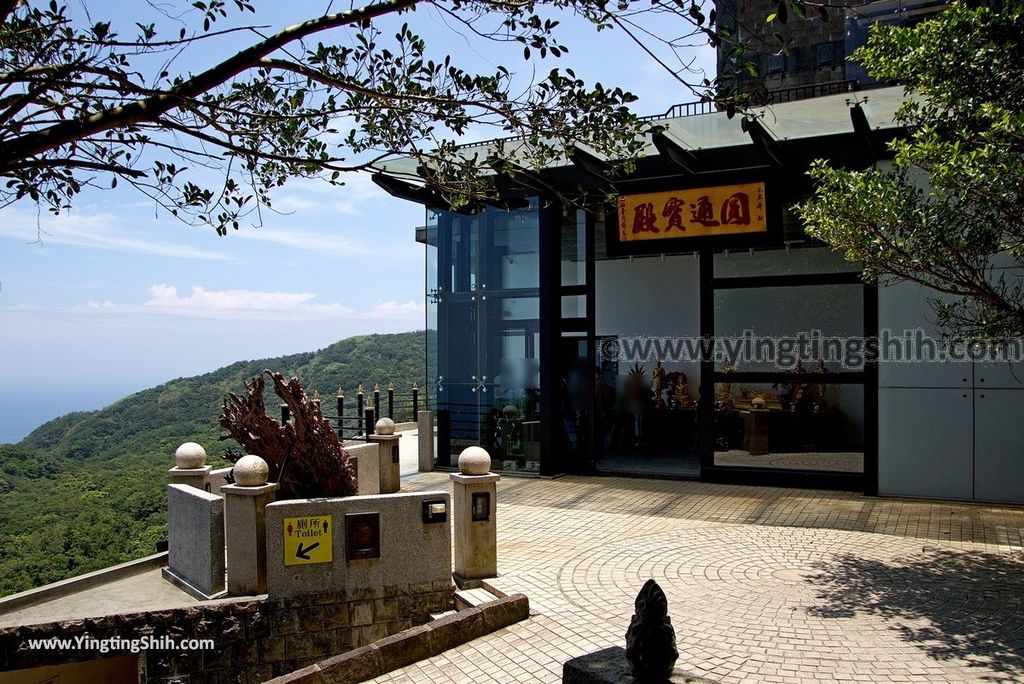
719,210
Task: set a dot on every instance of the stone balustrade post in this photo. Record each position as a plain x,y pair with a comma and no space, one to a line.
425,430
190,467
474,504
389,455
245,526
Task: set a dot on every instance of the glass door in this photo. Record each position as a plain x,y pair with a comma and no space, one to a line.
486,341
793,400
574,433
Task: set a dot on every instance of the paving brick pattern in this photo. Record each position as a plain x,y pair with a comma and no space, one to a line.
764,584
837,462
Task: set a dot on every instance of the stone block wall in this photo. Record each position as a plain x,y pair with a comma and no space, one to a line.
412,552
255,640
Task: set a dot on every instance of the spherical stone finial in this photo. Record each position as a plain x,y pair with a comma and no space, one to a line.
384,426
190,455
758,403
474,460
251,471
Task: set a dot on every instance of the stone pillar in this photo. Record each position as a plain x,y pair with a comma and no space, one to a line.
388,452
474,508
245,526
425,428
190,467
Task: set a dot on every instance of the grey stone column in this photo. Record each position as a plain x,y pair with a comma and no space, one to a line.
474,509
425,428
390,466
245,526
190,467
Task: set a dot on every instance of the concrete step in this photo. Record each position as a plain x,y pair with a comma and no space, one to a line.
471,598
438,616
498,586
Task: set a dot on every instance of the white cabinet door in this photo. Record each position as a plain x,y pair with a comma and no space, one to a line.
925,442
906,307
999,445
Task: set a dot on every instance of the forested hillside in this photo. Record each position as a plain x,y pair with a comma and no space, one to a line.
87,490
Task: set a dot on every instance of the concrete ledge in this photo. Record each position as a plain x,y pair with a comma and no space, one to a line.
407,427
189,588
412,645
89,580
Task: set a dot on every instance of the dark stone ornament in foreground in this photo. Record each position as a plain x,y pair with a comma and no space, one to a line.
650,639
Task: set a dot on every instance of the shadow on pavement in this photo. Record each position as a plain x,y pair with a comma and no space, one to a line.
953,604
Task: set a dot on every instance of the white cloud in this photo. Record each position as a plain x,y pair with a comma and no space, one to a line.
165,300
98,230
166,296
300,239
406,311
316,193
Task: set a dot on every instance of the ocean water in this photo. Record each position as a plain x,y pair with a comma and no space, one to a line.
22,410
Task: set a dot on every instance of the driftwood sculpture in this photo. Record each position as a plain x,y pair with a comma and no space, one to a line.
650,639
314,462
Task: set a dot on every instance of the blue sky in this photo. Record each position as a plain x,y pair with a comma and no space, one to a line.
114,296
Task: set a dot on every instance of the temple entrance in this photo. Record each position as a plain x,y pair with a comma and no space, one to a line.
646,384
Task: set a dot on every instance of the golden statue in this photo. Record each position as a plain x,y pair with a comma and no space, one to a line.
658,383
723,391
679,390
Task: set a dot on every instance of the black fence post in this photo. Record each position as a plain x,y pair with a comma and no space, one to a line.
369,421
376,399
391,400
341,414
359,410
415,402
285,414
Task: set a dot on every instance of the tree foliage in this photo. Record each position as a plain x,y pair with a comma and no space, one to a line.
949,212
93,101
88,490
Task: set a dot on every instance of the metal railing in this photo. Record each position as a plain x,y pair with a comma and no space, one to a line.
768,97
354,416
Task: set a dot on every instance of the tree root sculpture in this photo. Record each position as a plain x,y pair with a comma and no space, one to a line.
305,454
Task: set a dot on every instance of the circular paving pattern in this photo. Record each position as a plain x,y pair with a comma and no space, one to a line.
834,462
747,602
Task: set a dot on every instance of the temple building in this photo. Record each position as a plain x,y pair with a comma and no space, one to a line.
564,340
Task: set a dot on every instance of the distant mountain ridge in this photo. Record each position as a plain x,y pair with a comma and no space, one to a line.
87,489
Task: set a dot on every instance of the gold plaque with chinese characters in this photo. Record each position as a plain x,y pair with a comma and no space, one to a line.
697,212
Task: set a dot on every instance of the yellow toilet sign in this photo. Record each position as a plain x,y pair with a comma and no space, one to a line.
307,540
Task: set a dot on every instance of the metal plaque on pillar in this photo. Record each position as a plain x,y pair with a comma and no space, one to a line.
362,536
481,506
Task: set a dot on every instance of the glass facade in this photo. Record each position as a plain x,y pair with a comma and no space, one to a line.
828,315
483,333
805,417
485,279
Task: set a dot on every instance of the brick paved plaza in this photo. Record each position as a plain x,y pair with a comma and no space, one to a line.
764,584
